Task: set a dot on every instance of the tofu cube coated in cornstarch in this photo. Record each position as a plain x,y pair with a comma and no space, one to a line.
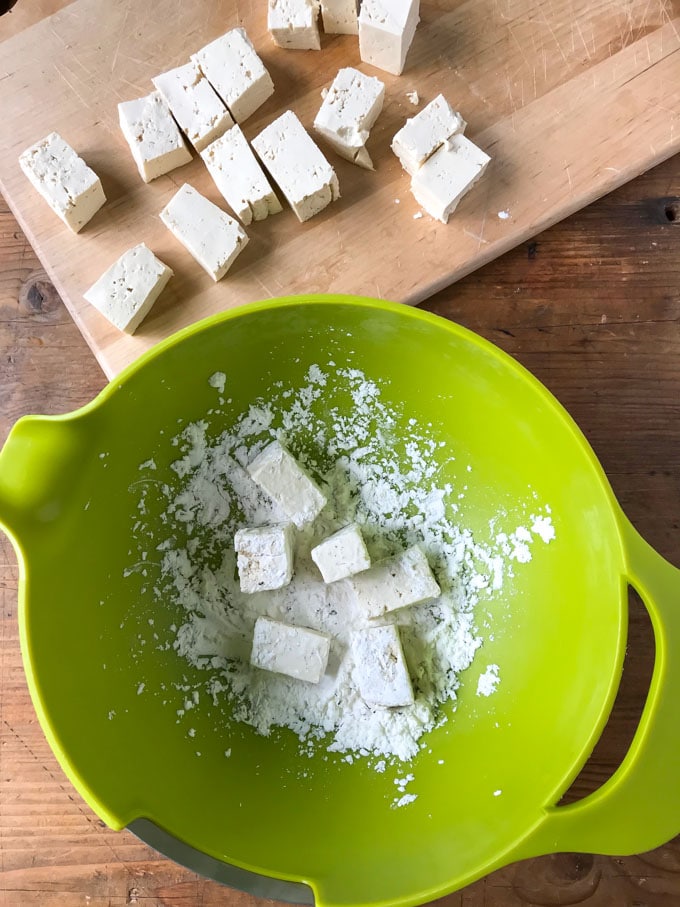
296,163
422,134
349,110
398,582
448,175
126,291
71,189
235,71
342,554
380,666
239,177
194,103
284,649
154,138
264,557
340,17
208,233
386,30
293,24
287,483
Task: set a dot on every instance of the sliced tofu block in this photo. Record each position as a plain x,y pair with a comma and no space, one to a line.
125,293
425,132
239,177
386,30
264,557
238,75
340,17
284,480
293,24
448,175
71,189
154,138
296,651
399,581
342,554
296,163
208,233
348,112
380,667
194,103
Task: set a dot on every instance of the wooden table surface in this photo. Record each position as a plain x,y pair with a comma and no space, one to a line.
592,308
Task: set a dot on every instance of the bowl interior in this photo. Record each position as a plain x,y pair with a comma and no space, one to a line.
555,628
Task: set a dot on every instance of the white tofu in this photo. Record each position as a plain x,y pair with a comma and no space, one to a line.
386,30
340,17
293,24
284,480
125,293
154,138
208,233
239,177
426,132
296,163
399,581
342,554
296,651
71,189
264,557
237,74
380,667
349,110
194,103
448,175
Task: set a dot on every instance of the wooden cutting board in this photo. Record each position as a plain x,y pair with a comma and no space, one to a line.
570,97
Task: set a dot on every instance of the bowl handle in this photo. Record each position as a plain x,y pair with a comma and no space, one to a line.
638,808
39,457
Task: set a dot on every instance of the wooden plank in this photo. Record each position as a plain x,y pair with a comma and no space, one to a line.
571,98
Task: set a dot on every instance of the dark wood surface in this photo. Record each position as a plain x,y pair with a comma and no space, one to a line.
592,308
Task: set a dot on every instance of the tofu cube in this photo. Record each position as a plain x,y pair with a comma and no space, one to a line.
71,189
386,30
287,483
194,103
340,17
125,293
348,112
448,175
239,177
296,163
399,581
342,554
237,74
206,232
293,24
295,651
426,132
264,557
380,667
154,138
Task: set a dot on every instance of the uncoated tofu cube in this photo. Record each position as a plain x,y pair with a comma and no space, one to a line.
71,189
386,30
284,480
154,138
265,557
380,666
293,24
284,649
342,554
448,175
397,582
423,134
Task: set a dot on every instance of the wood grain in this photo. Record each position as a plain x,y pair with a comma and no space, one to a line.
592,307
570,97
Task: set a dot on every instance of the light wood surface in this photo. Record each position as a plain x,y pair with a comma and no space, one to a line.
570,97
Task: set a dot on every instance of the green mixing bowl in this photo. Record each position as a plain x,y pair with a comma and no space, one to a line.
269,810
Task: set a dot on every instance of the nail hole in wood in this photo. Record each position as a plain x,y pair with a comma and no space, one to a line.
672,212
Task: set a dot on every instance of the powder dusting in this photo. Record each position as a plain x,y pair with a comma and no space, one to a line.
378,469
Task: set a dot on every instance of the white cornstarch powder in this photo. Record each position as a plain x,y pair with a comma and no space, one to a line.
378,469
